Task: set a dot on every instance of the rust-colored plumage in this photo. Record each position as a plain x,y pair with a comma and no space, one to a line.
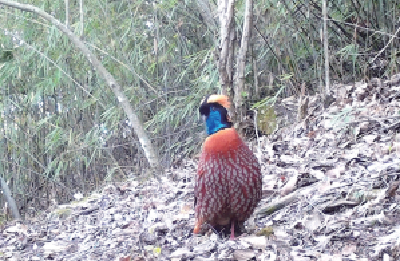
228,181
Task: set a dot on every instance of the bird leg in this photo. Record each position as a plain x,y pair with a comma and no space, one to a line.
232,230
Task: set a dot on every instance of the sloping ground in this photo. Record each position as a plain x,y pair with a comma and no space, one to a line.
330,193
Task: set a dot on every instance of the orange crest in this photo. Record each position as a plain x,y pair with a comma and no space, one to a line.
221,99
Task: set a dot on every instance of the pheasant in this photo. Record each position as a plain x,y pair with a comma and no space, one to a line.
228,181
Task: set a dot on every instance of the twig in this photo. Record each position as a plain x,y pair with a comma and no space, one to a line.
384,48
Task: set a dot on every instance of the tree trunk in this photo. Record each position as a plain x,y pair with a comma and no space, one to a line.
81,18
67,13
225,66
241,63
9,199
326,47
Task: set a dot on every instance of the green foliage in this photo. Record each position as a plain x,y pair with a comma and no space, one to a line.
266,119
268,101
63,213
6,56
266,232
344,117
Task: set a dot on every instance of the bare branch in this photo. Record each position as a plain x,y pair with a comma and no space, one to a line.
384,48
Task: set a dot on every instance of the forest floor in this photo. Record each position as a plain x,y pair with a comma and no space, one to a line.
330,192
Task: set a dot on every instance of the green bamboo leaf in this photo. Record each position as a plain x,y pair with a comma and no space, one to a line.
60,167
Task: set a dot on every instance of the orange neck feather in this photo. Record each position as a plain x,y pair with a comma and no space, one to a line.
223,141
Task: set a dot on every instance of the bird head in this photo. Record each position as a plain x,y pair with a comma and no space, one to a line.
214,110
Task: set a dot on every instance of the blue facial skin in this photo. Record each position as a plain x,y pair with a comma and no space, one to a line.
214,122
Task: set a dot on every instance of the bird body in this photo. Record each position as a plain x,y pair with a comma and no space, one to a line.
228,181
